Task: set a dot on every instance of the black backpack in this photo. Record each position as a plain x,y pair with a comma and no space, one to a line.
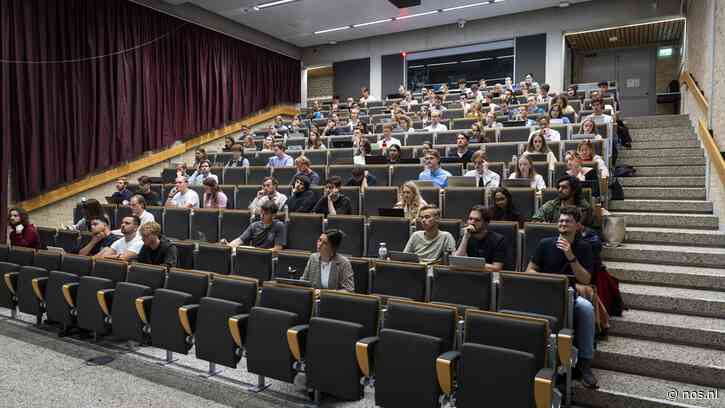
616,192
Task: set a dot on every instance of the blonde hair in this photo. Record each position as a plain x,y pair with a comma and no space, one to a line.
150,228
412,209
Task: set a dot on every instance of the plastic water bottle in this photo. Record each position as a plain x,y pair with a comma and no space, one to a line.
383,251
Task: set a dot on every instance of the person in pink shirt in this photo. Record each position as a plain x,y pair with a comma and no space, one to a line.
213,196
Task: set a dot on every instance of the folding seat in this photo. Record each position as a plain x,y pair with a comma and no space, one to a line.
524,199
381,172
176,222
284,174
47,236
291,264
207,323
230,191
400,279
259,159
185,254
200,192
401,360
49,291
467,288
253,263
219,170
344,171
168,176
515,134
4,250
85,238
211,156
296,143
501,152
317,157
82,296
354,228
576,104
455,169
68,240
431,195
110,210
15,259
405,172
510,232
235,175
245,195
220,160
450,225
353,193
339,156
407,152
214,258
326,347
418,138
205,225
499,350
122,212
458,200
453,114
447,138
263,332
256,174
23,267
379,197
533,233
158,213
393,231
562,129
303,231
361,274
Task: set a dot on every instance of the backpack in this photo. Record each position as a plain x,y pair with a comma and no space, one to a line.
616,192
623,134
624,170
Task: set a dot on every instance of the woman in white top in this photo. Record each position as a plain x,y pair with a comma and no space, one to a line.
537,145
484,176
588,127
410,200
574,166
314,142
586,152
363,150
525,169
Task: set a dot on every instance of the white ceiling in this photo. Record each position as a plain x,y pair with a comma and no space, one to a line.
296,22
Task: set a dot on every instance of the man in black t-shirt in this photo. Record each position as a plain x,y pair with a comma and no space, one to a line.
479,242
157,249
101,237
334,202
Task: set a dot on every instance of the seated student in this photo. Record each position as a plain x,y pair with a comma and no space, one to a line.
266,233
587,154
122,193
435,123
138,209
410,200
574,167
333,202
127,247
304,168
588,127
489,137
504,208
433,171
388,139
268,192
537,145
570,194
479,242
363,149
551,135
182,196
431,243
327,269
393,154
238,159
484,176
280,158
568,254
101,237
90,208
556,117
361,178
314,141
302,198
598,115
525,169
20,231
204,172
462,152
267,144
144,189
214,197
228,143
157,249
248,143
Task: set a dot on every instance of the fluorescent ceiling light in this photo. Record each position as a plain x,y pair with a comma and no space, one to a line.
504,56
626,26
476,60
416,66
480,3
372,22
425,13
329,30
272,4
442,63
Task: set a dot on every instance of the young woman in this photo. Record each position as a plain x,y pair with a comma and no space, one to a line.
248,143
574,166
589,128
363,150
537,144
476,112
405,123
586,152
199,157
91,209
326,269
410,200
268,144
213,196
555,116
491,121
393,154
20,231
504,208
525,169
314,142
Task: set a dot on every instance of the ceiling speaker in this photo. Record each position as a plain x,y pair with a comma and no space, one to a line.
405,3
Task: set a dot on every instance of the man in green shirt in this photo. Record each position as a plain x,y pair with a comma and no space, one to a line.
570,194
431,243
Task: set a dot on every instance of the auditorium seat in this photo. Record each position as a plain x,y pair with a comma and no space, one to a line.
246,194
524,199
404,172
533,233
185,254
205,225
235,176
82,297
458,200
255,176
467,288
253,263
284,174
176,223
230,191
400,280
510,232
339,156
233,223
291,264
47,236
214,258
379,197
353,193
317,157
418,138
303,231
354,228
515,134
393,231
72,268
16,258
158,213
68,240
501,152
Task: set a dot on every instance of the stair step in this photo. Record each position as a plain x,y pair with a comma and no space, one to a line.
663,161
638,144
651,171
668,275
657,121
672,193
622,390
645,205
696,331
695,302
663,181
673,220
667,255
656,152
659,136
672,236
695,365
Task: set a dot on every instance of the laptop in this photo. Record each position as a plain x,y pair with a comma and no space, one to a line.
342,144
403,257
467,262
461,181
514,123
391,212
294,282
537,157
373,159
519,182
114,200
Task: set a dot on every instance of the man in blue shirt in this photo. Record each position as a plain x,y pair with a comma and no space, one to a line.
433,171
280,158
122,193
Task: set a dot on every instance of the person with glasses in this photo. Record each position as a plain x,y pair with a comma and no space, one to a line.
484,177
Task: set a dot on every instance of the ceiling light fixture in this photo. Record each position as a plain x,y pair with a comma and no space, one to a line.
425,13
329,30
476,60
465,6
272,4
442,63
372,22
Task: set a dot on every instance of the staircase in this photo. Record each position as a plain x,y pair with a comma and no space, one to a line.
672,277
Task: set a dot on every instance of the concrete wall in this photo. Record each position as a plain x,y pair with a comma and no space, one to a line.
320,87
554,22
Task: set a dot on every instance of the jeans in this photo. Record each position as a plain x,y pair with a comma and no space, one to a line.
584,327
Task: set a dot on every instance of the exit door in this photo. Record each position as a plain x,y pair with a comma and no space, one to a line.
636,81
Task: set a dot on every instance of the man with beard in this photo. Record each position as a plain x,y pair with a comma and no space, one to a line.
127,247
570,194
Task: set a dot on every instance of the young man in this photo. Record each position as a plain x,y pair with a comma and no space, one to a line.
484,177
361,178
138,209
302,198
101,237
551,135
122,193
304,168
127,247
334,202
570,194
433,171
598,115
431,243
157,249
266,233
268,193
479,242
569,255
435,123
144,189
182,196
388,139
204,172
462,152
280,158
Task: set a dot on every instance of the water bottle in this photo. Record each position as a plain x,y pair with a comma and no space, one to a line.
292,272
446,255
383,251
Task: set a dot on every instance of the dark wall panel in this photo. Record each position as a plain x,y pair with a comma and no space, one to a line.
350,76
392,67
531,57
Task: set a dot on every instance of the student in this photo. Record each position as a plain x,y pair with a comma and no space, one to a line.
431,243
326,269
304,168
214,197
462,152
333,202
101,237
570,195
537,145
361,178
267,233
388,139
433,172
127,247
479,242
280,158
587,154
302,199
182,196
484,177
91,208
20,231
144,189
525,169
157,249
410,200
238,159
598,115
122,193
435,125
504,208
138,209
204,172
